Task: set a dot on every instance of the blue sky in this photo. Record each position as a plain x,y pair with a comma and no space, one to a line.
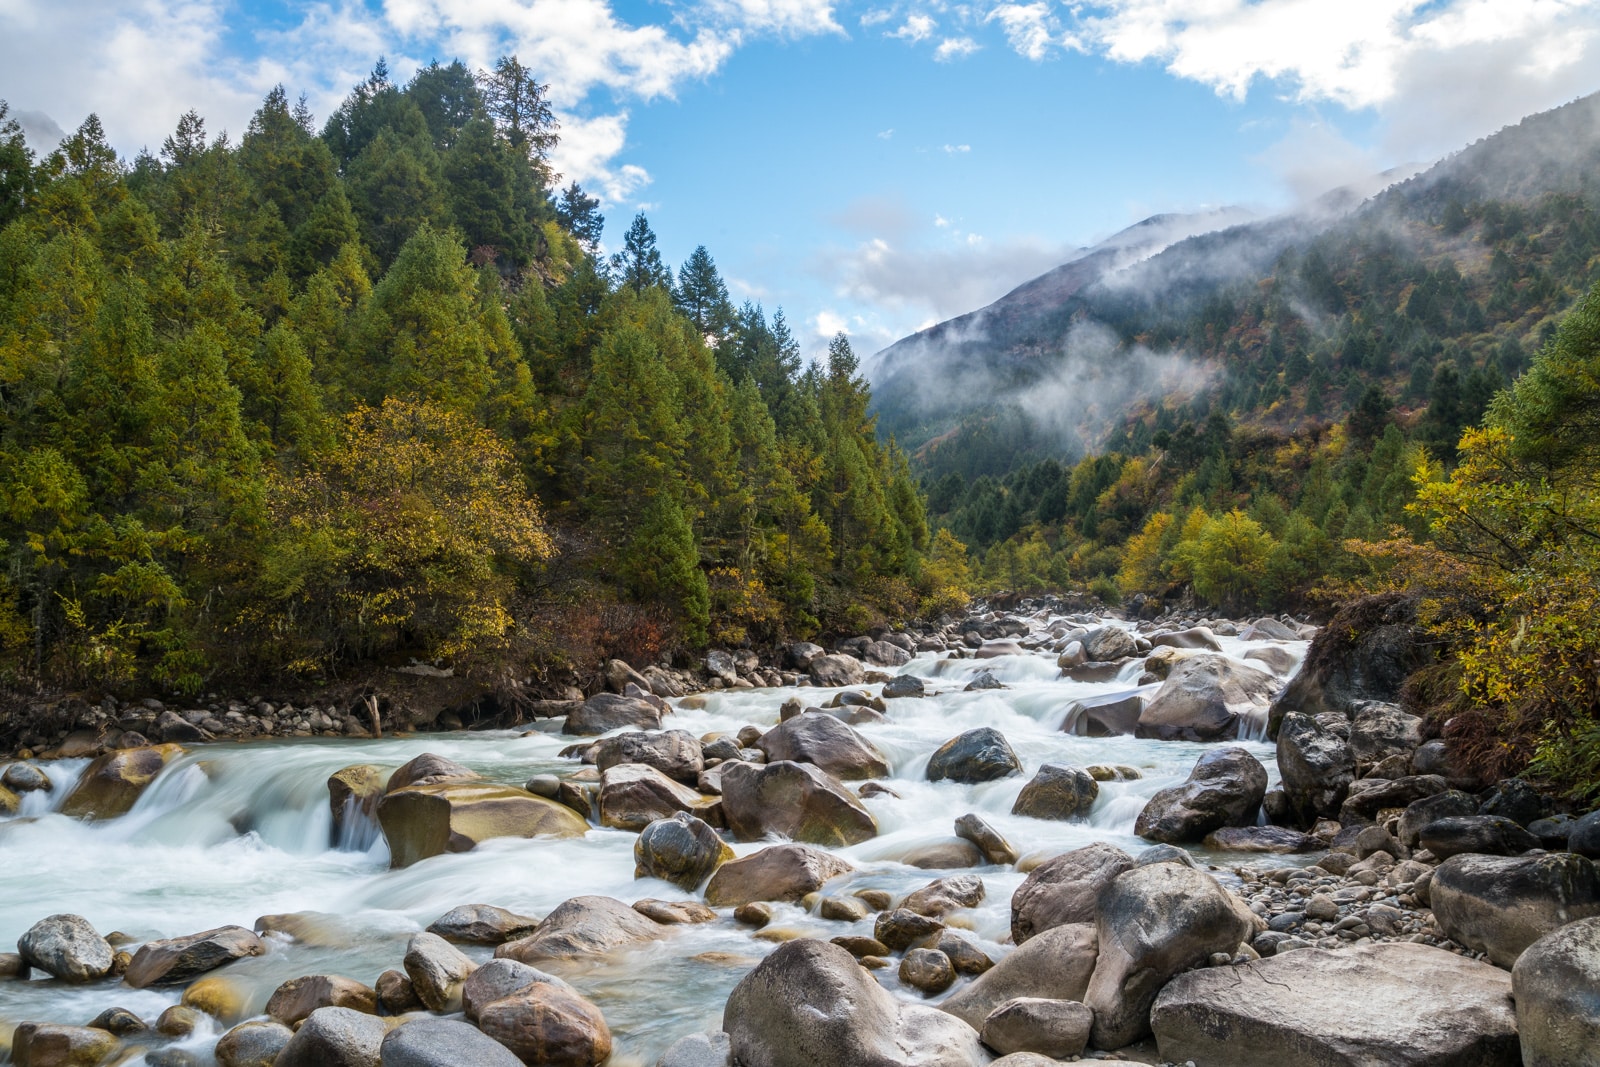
871,167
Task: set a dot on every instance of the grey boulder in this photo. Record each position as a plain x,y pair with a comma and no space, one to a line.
1556,983
443,1043
335,1037
1225,788
66,947
1502,904
1065,889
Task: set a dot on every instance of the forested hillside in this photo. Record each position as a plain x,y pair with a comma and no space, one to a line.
1283,382
292,404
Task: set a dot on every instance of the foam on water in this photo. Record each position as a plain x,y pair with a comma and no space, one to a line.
229,833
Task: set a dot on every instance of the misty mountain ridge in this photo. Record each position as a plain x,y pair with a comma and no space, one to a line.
1055,366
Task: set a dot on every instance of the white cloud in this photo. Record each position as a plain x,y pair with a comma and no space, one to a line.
957,149
587,152
955,48
1030,29
917,27
884,135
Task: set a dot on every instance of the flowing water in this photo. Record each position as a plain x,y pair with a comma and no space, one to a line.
232,832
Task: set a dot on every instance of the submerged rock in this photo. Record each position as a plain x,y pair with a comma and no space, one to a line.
112,783
1057,792
981,755
795,800
682,850
580,927
482,924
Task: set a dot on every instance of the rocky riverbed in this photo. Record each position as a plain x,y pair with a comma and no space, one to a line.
1024,837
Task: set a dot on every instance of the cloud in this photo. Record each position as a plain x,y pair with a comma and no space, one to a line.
916,28
955,48
956,149
1030,29
884,135
587,154
1314,158
869,216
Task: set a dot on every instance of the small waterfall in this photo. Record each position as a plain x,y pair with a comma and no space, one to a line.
356,829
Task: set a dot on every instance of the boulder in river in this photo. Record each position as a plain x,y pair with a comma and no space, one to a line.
946,895
176,960
1152,923
252,1044
827,743
1056,963
1057,792
429,820
782,873
683,850
297,998
497,979
446,1043
991,842
634,795
795,800
47,1045
1208,697
980,755
25,778
482,924
66,947
1107,644
437,969
1225,788
429,769
1490,835
1107,714
604,712
834,671
353,793
109,786
1378,730
583,927
1556,984
1315,762
810,1003
1065,889
547,1023
335,1037
1397,1004
675,753
1502,904
903,686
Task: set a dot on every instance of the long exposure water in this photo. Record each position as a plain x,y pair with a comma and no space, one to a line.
231,832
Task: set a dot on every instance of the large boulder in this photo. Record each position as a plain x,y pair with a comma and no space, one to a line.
335,1037
1420,813
1502,904
634,795
795,800
547,1023
1368,796
1057,792
834,671
437,969
66,947
429,769
1107,714
582,927
498,979
299,997
1107,644
1396,1004
1065,889
1317,767
1379,730
178,959
682,850
810,1003
784,873
112,783
604,712
430,820
904,685
1224,789
675,753
981,755
1152,923
1043,1025
989,841
1556,984
884,654
825,742
46,1045
445,1043
1209,698
1365,652
252,1044
353,795
1489,835
482,924
1056,963
1584,837
1200,637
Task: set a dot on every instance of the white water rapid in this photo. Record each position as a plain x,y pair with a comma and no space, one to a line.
231,832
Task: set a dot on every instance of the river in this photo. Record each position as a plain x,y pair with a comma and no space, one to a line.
231,832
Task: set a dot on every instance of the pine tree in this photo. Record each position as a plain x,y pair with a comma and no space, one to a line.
639,265
518,106
579,214
16,167
703,297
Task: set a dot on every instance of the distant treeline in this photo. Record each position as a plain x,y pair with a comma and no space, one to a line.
315,400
